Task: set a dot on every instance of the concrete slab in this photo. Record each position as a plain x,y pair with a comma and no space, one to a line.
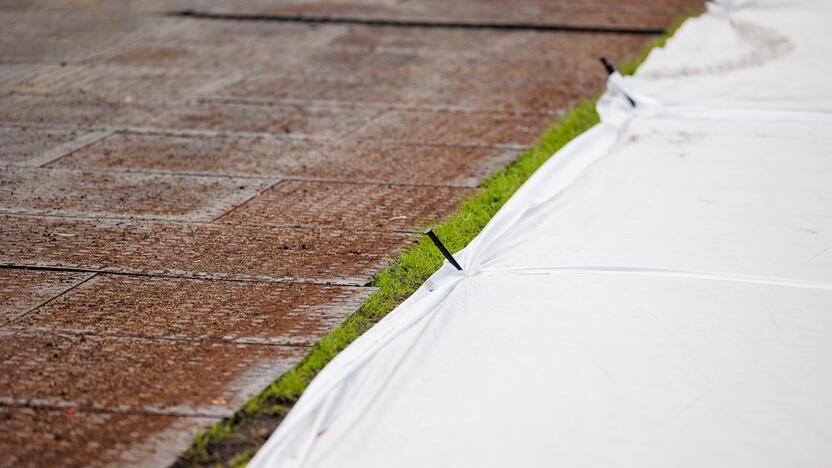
297,37
281,119
374,53
348,206
178,308
123,82
456,128
128,374
161,115
65,21
437,92
72,112
218,251
69,192
36,437
54,51
476,64
197,56
350,161
485,44
379,53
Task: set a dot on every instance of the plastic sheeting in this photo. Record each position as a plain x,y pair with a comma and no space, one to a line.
659,293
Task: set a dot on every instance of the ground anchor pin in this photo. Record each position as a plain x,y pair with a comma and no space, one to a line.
610,70
441,247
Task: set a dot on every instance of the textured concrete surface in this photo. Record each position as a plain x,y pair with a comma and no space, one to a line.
187,203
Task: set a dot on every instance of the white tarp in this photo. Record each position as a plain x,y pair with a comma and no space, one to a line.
658,294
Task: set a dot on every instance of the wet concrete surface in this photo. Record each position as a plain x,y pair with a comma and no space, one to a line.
187,203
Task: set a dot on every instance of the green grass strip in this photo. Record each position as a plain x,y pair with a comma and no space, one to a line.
233,441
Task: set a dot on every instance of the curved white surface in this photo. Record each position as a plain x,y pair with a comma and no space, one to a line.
659,293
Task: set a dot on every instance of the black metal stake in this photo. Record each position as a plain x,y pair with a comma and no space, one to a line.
607,66
441,247
610,70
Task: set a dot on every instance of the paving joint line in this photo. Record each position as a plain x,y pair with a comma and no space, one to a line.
304,227
433,51
277,137
156,219
47,301
416,50
25,330
246,201
105,410
415,231
505,26
336,104
283,138
373,182
300,103
200,277
266,178
209,90
503,146
75,145
127,170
